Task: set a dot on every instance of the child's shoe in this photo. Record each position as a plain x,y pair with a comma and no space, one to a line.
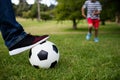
96,40
88,36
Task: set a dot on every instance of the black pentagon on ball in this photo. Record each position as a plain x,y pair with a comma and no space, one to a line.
53,64
55,48
37,67
42,55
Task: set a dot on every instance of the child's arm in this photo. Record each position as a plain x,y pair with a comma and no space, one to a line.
83,12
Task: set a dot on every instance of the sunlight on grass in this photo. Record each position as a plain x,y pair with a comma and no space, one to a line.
50,27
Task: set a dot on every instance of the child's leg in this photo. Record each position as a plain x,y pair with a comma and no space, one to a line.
96,32
96,26
90,25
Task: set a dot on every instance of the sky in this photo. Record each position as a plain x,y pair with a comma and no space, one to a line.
46,2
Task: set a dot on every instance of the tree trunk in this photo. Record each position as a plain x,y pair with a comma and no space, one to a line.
38,6
74,24
102,22
117,18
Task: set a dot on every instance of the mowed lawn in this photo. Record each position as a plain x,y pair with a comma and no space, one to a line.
79,59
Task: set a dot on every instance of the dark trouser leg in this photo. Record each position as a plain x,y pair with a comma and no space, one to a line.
12,31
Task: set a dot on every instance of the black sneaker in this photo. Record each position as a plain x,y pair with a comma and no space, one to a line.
27,43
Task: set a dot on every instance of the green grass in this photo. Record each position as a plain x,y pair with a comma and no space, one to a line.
79,59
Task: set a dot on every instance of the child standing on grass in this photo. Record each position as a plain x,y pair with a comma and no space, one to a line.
15,38
93,17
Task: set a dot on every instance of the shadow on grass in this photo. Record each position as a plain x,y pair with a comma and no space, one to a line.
77,30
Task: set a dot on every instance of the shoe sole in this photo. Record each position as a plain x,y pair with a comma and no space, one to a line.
19,50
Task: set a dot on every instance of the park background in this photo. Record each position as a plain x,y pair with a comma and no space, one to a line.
79,59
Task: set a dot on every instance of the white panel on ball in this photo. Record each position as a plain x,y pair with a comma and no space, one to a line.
45,55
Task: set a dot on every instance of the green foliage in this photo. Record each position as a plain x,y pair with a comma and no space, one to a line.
30,11
33,11
26,14
110,9
45,16
22,7
68,9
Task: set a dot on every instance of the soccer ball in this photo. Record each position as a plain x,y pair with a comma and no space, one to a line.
44,55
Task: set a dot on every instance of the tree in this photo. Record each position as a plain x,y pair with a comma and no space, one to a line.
110,10
38,9
33,12
22,7
69,10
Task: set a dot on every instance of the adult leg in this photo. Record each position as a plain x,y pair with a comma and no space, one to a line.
13,33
